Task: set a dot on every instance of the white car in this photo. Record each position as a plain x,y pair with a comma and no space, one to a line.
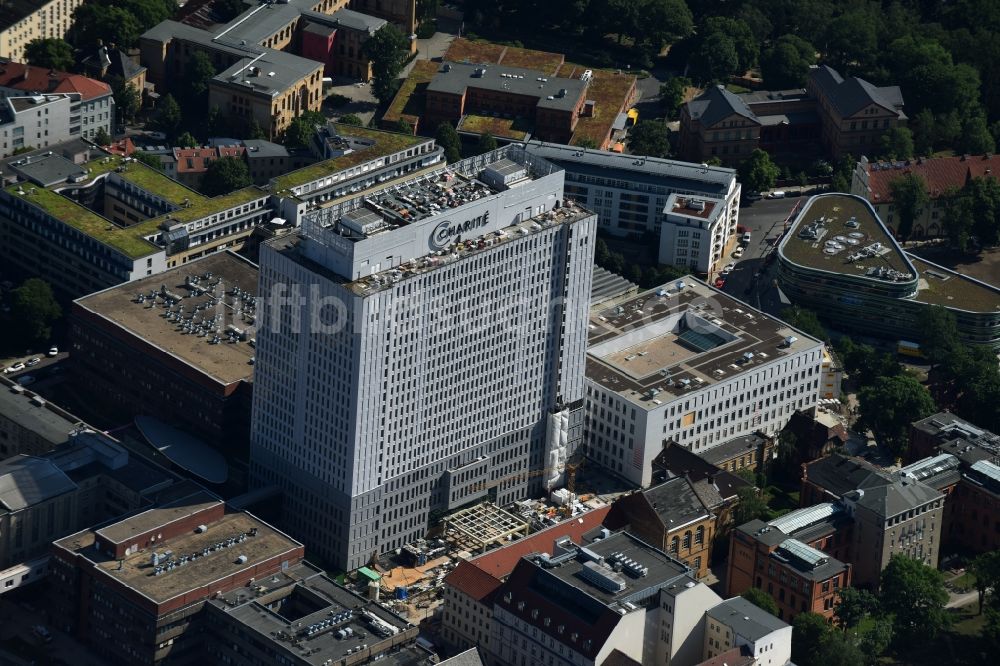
737,253
729,268
33,362
53,351
17,367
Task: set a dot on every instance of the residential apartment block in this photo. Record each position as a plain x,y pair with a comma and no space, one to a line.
845,115
632,197
839,259
91,105
414,270
941,175
22,21
687,364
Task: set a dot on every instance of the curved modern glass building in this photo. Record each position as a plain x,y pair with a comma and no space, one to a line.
839,260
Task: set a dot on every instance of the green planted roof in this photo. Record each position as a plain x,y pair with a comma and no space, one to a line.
386,143
130,240
127,241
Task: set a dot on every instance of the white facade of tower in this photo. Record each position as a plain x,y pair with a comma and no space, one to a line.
413,363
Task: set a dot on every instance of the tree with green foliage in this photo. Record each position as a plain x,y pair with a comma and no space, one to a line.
786,64
672,95
49,52
922,129
128,99
909,196
983,203
149,159
255,131
301,130
448,139
351,119
897,144
914,594
168,117
33,310
715,59
938,334
851,42
401,126
838,649
95,22
986,569
650,138
746,45
663,22
762,600
806,321
842,174
758,173
750,504
889,405
930,79
854,606
197,74
585,142
387,51
186,140
486,143
876,637
976,137
809,630
225,175
102,138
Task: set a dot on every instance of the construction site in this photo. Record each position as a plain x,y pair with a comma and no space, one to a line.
409,581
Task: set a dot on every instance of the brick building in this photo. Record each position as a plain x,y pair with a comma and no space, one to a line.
800,577
845,115
132,589
671,517
188,363
554,104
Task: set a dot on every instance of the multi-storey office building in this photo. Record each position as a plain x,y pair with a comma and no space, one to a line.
839,259
24,21
686,363
630,193
697,234
376,404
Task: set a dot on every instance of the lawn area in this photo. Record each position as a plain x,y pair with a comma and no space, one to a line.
155,182
507,128
781,500
959,646
735,89
479,51
613,94
547,63
408,104
964,583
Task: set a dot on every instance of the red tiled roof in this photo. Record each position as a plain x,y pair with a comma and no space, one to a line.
41,80
735,657
939,173
472,581
201,157
124,147
500,562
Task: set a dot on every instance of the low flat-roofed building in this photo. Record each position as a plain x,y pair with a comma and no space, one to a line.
177,346
30,424
302,617
751,452
162,565
839,259
85,480
799,577
688,364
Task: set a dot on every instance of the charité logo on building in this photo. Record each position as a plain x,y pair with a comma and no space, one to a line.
448,232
